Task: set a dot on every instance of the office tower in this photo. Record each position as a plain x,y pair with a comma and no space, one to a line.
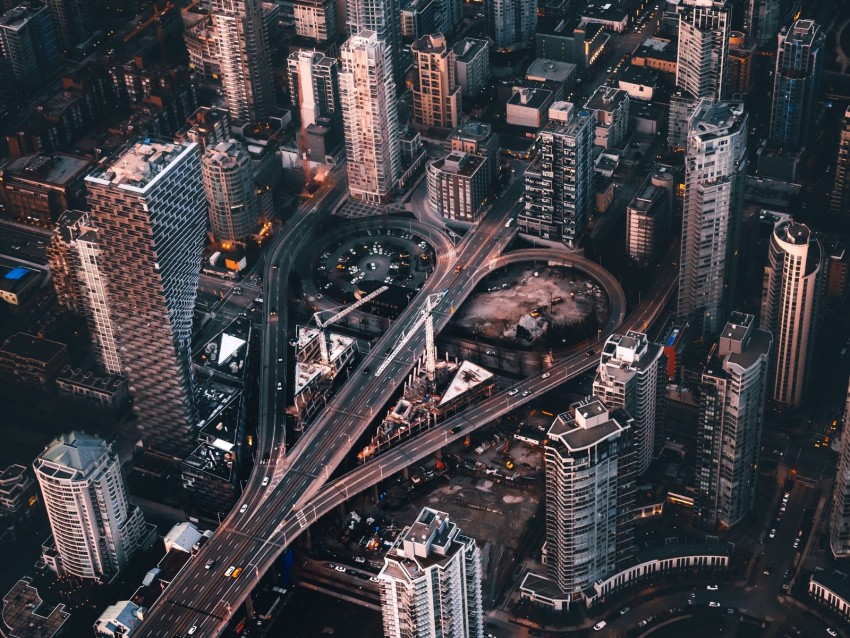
80,283
431,581
383,18
316,20
715,176
799,57
730,417
631,376
29,52
479,139
436,95
559,183
246,77
612,116
472,66
793,282
701,63
648,216
839,202
147,203
72,21
511,23
590,488
95,527
739,69
370,118
762,20
229,188
839,521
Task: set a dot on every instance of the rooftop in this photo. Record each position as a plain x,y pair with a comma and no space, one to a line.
835,581
716,119
472,130
30,347
227,351
15,19
75,451
125,615
139,166
468,48
543,69
459,163
530,97
25,614
587,423
58,169
639,75
435,43
218,414
468,376
607,98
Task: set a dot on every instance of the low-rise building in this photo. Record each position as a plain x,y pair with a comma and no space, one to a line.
18,284
639,82
29,360
18,493
26,616
528,107
831,590
119,620
458,185
657,53
103,389
576,41
476,138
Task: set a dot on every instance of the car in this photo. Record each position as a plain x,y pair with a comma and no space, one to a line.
782,508
713,604
525,393
546,375
692,595
796,543
273,313
786,574
209,564
374,579
266,458
192,630
767,570
229,571
643,623
590,353
624,610
712,587
236,572
831,631
265,481
787,495
490,352
513,392
280,385
243,509
366,371
456,429
340,568
772,533
729,610
458,268
359,559
600,625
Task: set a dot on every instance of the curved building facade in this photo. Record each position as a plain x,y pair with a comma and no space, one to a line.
229,189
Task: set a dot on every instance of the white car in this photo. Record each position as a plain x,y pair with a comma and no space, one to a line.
340,568
772,533
546,375
600,625
713,604
831,631
711,587
193,629
525,393
265,481
243,509
513,392
229,571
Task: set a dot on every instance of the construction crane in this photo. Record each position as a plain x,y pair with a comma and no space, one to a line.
425,317
321,325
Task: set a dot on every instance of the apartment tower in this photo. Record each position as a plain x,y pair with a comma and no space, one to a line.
793,282
29,51
511,23
431,581
383,17
839,522
234,209
731,410
370,118
72,21
148,205
436,94
715,176
96,529
839,203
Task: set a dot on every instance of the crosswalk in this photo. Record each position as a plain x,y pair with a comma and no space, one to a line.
449,254
301,517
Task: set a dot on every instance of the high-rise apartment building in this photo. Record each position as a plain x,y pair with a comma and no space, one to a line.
839,522
730,419
612,116
80,283
313,85
472,65
246,77
762,21
793,282
229,187
476,138
370,118
458,185
701,62
740,61
839,202
431,581
648,216
799,57
29,51
316,20
511,23
383,17
590,491
436,95
95,527
559,183
72,21
148,205
631,375
715,176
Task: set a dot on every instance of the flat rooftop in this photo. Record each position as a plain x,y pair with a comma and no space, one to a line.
27,346
530,98
468,48
59,168
139,166
26,615
543,69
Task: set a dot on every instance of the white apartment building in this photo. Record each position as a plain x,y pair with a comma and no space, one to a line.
715,177
458,185
436,94
383,17
370,118
316,19
431,582
95,527
234,210
793,279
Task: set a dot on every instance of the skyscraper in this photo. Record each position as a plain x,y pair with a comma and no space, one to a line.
793,279
28,47
370,118
246,78
72,21
316,20
148,205
511,23
631,376
715,174
839,522
559,183
762,20
431,581
95,527
383,17
648,216
590,488
701,63
730,419
799,55
436,94
80,283
839,202
314,85
229,187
